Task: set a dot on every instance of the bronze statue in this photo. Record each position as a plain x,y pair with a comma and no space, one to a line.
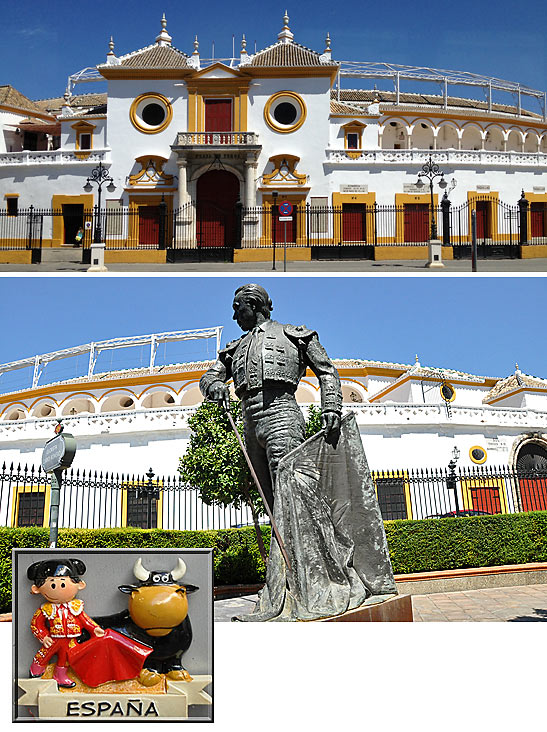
331,553
266,365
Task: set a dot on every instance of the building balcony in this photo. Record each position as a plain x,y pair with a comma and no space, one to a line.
54,157
441,157
217,142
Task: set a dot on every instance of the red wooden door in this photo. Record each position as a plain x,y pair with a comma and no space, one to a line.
217,194
483,220
353,222
149,225
533,493
285,231
486,499
416,222
537,219
218,116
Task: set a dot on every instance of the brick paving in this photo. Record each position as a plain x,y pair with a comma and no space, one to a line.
524,604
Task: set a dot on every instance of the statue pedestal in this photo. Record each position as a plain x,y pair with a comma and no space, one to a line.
395,610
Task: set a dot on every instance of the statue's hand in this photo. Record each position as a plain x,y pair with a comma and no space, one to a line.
331,423
219,393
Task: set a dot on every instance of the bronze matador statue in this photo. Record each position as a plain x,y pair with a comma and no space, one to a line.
266,365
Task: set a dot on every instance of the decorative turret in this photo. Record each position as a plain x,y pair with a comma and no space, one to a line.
111,57
163,39
285,35
194,59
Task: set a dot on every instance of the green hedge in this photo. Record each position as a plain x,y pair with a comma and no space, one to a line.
415,546
236,558
476,541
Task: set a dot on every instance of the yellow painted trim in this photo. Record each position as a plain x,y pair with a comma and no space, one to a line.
57,201
367,199
535,251
12,405
277,161
265,254
47,390
152,96
474,460
11,195
30,489
290,72
192,103
15,256
297,200
488,196
157,162
401,199
404,253
136,484
398,475
285,129
441,391
466,484
29,113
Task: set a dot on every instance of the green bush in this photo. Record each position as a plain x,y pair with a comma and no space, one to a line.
415,546
476,541
236,557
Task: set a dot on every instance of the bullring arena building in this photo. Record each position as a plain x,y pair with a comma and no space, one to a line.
200,153
412,418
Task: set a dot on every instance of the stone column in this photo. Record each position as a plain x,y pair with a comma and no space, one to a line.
250,193
250,220
183,185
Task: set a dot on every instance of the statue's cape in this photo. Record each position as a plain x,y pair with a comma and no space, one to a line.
328,516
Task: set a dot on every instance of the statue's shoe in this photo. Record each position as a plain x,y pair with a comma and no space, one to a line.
62,678
36,670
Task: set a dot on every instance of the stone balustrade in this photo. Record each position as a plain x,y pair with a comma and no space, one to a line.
442,157
54,157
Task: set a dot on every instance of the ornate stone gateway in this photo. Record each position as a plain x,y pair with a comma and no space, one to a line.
217,194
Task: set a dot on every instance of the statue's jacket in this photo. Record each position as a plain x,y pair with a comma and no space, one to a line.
285,353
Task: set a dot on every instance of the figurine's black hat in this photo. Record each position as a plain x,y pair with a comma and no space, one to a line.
40,571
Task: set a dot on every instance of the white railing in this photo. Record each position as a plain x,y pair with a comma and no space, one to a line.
212,139
54,157
441,157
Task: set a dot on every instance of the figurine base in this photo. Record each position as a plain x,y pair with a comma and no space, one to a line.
397,609
114,700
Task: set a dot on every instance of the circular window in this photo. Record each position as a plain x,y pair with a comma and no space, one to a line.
448,393
477,454
285,112
151,113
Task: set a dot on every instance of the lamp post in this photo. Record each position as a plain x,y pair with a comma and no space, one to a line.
451,480
430,170
99,176
274,224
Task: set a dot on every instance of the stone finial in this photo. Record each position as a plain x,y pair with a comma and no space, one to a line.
194,59
111,57
163,39
416,360
285,35
327,43
244,58
243,45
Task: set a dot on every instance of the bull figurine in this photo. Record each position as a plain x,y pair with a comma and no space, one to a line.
158,617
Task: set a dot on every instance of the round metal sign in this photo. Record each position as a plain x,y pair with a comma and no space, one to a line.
285,208
58,452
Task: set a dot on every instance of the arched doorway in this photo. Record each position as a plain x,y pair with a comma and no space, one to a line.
217,193
532,471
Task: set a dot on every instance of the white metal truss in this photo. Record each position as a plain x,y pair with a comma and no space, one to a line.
383,70
38,362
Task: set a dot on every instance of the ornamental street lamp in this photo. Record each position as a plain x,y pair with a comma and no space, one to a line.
430,170
451,480
99,176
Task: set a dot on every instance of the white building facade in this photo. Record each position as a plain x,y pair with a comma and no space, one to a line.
201,137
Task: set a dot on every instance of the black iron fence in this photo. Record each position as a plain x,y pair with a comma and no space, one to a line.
207,231
100,500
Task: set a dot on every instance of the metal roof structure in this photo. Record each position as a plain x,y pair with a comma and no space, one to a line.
94,349
383,70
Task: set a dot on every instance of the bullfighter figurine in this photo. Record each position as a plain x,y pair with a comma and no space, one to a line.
266,365
58,623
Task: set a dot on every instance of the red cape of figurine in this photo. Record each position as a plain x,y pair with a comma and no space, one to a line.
112,657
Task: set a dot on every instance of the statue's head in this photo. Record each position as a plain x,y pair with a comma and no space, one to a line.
252,305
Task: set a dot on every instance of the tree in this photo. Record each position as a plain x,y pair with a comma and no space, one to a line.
215,465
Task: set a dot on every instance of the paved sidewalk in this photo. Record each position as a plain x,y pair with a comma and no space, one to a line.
460,266
524,604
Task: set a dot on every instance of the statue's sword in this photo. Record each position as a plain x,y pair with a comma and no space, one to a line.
259,487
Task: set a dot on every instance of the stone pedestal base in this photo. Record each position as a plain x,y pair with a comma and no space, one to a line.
396,610
435,255
97,258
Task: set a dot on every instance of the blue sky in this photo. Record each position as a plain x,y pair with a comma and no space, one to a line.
480,325
42,43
